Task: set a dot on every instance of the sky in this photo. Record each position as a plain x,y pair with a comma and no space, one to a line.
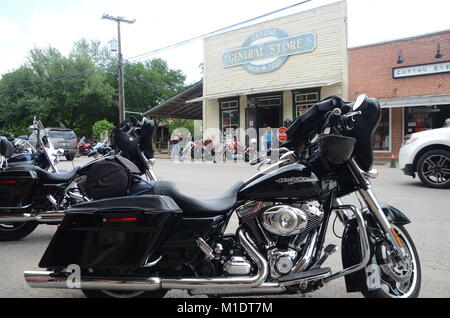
26,24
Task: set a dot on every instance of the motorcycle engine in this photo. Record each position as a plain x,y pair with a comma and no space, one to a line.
281,230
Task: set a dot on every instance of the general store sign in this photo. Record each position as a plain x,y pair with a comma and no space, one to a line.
266,51
420,70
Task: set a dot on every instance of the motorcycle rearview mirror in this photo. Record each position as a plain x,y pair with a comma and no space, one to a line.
361,100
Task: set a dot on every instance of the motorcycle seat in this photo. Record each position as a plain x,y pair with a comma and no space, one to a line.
46,176
197,207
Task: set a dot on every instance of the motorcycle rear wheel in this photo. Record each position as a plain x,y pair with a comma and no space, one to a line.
123,294
16,231
407,289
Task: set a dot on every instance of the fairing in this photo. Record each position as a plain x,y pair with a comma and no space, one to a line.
313,120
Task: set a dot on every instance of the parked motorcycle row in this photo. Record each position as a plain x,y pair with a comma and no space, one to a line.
131,235
94,149
229,149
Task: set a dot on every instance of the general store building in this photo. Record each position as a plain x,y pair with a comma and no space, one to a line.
267,74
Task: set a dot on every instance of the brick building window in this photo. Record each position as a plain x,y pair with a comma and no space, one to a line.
383,132
420,118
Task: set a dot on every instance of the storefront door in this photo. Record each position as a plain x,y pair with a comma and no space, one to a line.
267,112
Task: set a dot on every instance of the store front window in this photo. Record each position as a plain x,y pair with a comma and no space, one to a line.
304,99
229,115
382,140
418,119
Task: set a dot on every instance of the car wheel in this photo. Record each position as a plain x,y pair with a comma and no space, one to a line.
433,169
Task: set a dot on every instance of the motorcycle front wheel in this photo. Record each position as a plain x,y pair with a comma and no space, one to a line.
399,280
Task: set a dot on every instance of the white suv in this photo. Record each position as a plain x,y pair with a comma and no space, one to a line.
428,154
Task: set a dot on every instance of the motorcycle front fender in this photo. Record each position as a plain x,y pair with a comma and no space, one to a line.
351,247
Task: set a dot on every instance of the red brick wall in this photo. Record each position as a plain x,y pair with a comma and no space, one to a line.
370,72
370,68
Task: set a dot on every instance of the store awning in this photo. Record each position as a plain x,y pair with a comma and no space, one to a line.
267,89
176,107
415,101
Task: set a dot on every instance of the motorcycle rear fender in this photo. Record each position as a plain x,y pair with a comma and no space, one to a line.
351,246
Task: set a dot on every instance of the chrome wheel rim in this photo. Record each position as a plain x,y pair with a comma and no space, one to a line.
436,169
402,289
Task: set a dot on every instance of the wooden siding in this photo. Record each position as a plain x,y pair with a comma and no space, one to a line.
328,62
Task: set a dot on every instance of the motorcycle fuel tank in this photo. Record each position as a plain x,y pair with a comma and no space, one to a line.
294,181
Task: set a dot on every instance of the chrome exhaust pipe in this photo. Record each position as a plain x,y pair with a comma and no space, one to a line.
228,282
41,217
307,255
46,279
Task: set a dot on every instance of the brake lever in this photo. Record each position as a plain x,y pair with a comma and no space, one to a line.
351,114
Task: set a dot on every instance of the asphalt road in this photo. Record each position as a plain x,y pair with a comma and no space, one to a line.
429,210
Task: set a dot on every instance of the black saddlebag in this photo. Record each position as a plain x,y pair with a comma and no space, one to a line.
17,189
111,178
119,233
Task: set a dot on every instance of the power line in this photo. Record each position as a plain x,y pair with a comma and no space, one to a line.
173,46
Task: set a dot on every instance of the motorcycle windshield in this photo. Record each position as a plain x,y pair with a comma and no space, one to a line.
364,131
45,139
301,131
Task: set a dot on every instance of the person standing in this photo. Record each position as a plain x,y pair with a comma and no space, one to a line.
268,139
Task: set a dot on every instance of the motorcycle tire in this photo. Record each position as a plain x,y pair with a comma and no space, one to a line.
124,294
412,292
16,231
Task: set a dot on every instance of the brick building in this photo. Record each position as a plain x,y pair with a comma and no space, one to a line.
411,78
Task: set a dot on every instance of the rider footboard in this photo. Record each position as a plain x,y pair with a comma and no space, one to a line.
117,233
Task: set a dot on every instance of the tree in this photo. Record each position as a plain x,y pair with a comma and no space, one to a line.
62,91
102,129
149,83
77,90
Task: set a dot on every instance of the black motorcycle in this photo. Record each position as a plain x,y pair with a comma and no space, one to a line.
30,195
143,246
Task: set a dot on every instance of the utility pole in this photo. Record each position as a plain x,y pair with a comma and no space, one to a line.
120,58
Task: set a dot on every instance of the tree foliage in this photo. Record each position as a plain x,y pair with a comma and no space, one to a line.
102,129
77,90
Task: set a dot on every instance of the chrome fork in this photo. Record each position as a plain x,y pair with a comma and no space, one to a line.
377,211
